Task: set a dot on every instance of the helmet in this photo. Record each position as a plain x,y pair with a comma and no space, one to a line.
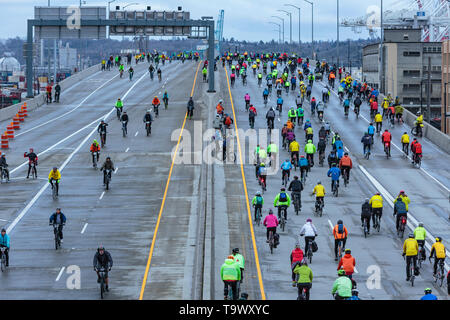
355,292
348,251
148,111
236,250
258,193
221,101
283,189
428,290
297,245
341,272
367,200
340,222
377,193
420,224
402,191
411,235
3,230
270,211
438,239
309,220
418,113
262,164
303,263
55,168
100,248
319,182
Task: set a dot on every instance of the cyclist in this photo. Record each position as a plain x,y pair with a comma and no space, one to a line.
54,175
340,233
304,166
148,118
252,113
190,108
337,142
300,114
319,191
204,73
386,138
102,129
335,173
313,104
296,187
5,242
103,259
310,232
271,223
60,219
400,210
131,73
280,104
321,146
230,273
247,100
257,202
32,159
405,198
294,147
121,69
292,115
57,92
405,143
219,108
357,104
227,121
262,173
347,263
410,249
438,252
378,121
305,277
107,165
49,93
298,101
155,103
272,151
310,149
151,70
166,99
124,119
345,164
418,123
119,107
265,94
4,166
366,140
282,199
239,259
428,295
377,207
416,149
320,109
295,258
342,287
332,158
346,106
371,131
420,235
159,74
95,147
366,211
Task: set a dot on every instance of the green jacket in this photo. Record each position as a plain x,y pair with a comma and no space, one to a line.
119,104
230,270
205,71
292,113
305,274
310,147
287,84
276,201
300,112
420,233
262,154
272,148
254,200
343,287
239,258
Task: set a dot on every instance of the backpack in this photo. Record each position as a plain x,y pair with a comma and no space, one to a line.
314,246
252,114
228,121
259,200
271,114
340,228
283,197
276,238
400,206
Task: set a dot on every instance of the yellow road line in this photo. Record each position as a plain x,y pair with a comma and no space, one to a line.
258,268
144,281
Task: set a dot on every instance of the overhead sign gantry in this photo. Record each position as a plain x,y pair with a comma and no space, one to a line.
90,23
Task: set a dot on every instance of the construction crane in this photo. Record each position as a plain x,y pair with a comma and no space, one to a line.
219,30
432,16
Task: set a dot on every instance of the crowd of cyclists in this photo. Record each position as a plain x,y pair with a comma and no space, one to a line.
281,74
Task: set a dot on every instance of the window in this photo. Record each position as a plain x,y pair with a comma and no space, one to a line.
411,73
405,37
411,87
411,100
411,53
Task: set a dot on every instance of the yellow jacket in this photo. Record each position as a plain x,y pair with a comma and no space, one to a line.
386,104
419,119
53,175
410,247
378,118
405,199
294,146
319,190
439,248
376,201
405,138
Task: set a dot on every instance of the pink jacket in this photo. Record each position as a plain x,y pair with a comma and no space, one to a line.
270,221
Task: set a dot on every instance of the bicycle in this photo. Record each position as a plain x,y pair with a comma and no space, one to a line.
258,216
302,295
345,178
405,150
283,213
57,237
440,273
411,272
321,158
33,170
156,109
296,200
118,112
285,178
318,207
401,227
271,241
148,128
417,161
366,230
124,128
387,150
416,131
102,274
166,103
262,182
103,138
3,258
335,187
159,77
94,159
377,223
421,255
3,175
54,192
107,179
339,249
310,251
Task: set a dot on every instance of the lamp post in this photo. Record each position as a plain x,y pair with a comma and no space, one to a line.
312,27
290,24
131,4
283,24
381,50
445,108
109,10
299,14
279,30
337,28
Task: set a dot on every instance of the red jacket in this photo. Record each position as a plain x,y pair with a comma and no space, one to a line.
296,255
348,262
253,109
374,105
386,136
346,162
417,148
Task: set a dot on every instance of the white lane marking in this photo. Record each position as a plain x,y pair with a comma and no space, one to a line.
390,201
331,226
115,171
127,149
3,220
136,133
409,157
60,273
63,115
101,197
84,228
36,197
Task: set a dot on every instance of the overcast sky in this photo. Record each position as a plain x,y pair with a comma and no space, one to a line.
244,19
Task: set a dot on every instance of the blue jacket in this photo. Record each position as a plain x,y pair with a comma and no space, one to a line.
4,240
346,102
307,125
429,297
266,92
286,165
53,218
340,153
279,101
371,130
303,162
334,173
338,143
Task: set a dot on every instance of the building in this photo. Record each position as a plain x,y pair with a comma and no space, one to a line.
405,68
445,110
9,64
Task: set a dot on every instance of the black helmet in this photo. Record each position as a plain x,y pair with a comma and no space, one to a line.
235,250
100,248
340,222
428,290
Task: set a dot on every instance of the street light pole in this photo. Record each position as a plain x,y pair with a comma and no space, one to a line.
337,28
279,30
299,15
283,24
312,27
109,10
381,51
290,24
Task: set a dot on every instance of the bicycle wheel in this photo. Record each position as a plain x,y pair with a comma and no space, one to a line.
3,263
310,254
54,193
102,288
258,217
441,277
33,172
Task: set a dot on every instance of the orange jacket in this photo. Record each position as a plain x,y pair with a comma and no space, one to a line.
348,262
290,125
156,101
340,235
345,162
95,148
219,109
